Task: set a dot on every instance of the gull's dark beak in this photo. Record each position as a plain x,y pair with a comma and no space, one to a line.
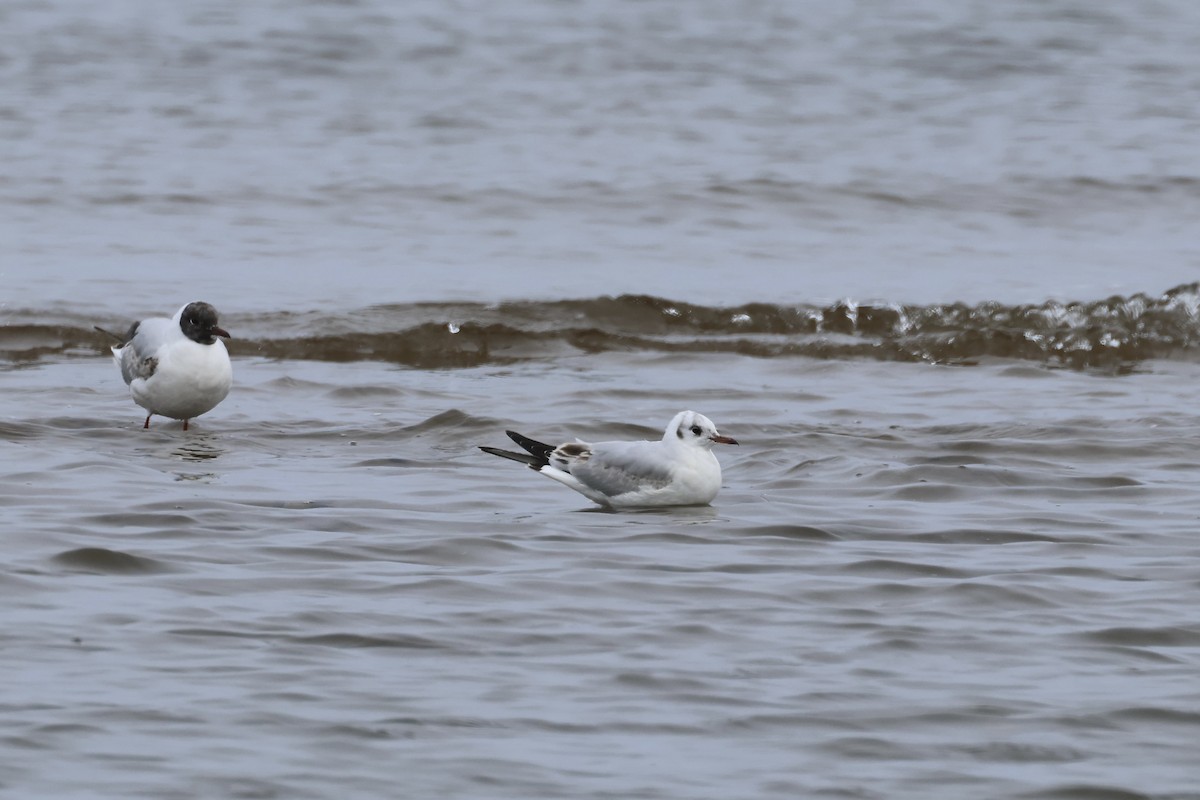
220,332
724,440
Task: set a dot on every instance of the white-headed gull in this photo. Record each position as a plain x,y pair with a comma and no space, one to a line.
678,470
176,367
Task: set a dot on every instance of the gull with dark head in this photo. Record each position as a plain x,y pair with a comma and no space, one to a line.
678,470
175,367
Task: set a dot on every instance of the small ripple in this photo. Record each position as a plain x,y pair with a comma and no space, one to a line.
142,519
902,569
1143,655
460,551
73,728
1084,791
645,680
318,554
872,748
1024,753
952,460
1170,716
353,392
1102,482
1170,636
447,420
787,721
989,595
929,492
397,461
257,789
337,640
443,722
99,560
801,532
355,640
982,536
359,732
23,743
666,537
729,569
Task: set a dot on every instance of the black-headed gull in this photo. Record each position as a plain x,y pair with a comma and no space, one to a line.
176,367
678,470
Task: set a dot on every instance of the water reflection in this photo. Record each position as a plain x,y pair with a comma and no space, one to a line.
203,477
198,449
203,447
680,513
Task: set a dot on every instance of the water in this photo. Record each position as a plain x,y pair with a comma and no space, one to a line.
933,265
389,153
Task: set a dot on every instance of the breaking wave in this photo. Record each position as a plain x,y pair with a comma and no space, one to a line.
1115,333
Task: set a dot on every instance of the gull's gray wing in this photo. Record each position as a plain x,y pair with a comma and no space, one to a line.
139,355
616,468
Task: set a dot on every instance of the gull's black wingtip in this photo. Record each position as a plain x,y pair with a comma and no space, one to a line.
539,449
531,461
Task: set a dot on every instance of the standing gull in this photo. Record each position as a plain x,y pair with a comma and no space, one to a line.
678,470
175,367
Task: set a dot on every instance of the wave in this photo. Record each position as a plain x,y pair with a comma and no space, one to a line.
1115,333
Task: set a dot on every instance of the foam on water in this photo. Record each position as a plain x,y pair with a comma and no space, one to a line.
1116,333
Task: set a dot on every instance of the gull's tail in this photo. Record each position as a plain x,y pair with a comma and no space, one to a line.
117,354
121,340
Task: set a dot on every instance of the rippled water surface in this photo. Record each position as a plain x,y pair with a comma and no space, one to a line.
934,266
967,580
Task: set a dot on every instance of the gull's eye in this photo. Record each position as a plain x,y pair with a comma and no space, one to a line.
696,430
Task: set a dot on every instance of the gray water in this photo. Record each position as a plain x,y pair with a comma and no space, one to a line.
951,558
287,154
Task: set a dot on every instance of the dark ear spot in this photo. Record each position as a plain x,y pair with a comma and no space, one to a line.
679,431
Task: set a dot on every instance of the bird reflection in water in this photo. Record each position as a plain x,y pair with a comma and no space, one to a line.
198,450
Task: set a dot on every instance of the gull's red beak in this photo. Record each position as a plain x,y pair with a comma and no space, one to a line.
724,440
220,332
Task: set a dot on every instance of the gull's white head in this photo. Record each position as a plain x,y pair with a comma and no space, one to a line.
694,429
